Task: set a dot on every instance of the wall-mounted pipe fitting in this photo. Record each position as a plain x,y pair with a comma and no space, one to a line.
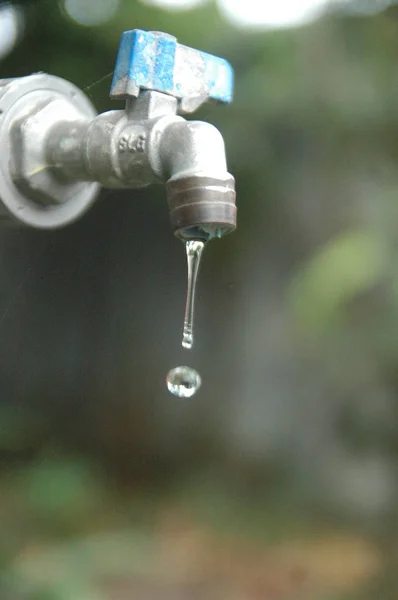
30,193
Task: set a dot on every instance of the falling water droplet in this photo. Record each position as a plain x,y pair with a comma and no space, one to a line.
183,381
194,249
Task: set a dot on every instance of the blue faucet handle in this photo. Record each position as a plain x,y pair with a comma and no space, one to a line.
152,60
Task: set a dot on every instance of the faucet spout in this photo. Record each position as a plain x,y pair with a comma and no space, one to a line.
200,191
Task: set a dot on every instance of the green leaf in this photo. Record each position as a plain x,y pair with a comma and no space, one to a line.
349,265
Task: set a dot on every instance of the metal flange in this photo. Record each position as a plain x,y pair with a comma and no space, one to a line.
30,192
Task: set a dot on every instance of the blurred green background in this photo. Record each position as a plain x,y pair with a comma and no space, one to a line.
279,479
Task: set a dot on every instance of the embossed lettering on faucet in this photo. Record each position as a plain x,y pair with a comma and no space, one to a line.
132,142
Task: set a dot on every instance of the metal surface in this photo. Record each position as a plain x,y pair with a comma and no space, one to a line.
202,207
154,60
200,191
29,192
117,148
135,148
56,151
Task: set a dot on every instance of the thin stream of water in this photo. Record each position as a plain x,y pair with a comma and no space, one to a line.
194,250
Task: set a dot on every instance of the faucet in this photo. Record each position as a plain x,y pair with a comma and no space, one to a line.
57,152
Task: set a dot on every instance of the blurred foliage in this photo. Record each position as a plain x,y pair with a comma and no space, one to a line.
348,266
202,539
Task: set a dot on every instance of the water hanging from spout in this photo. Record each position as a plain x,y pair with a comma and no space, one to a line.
194,250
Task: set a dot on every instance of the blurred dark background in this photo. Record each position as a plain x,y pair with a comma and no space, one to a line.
279,479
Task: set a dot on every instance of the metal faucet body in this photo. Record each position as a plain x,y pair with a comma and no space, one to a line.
57,152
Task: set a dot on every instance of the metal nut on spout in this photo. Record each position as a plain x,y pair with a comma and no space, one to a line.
202,207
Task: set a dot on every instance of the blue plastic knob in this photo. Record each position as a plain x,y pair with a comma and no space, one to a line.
154,60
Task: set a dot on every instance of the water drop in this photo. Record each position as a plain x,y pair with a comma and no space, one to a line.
194,249
183,381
